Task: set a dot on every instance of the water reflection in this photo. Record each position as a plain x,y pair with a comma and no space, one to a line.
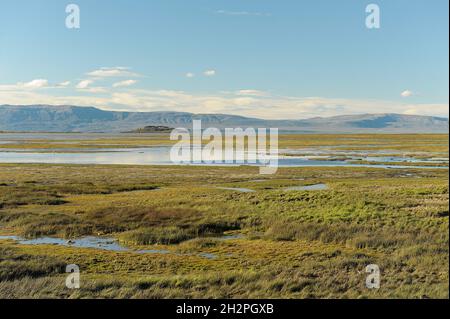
315,187
160,155
109,244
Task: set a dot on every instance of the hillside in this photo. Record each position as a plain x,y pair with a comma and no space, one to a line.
89,119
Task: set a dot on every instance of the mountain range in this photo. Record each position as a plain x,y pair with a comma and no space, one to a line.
50,118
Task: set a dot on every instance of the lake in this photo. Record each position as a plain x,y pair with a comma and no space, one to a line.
160,155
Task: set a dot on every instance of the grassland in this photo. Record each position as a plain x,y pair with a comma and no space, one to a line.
287,244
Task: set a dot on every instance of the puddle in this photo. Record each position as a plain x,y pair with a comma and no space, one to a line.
92,242
208,255
237,189
316,187
10,237
85,242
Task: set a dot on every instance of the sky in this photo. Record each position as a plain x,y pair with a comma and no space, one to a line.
274,59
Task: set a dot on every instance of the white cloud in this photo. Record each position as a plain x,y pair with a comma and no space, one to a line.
34,84
84,84
280,107
97,89
24,97
63,84
247,102
412,111
209,72
407,93
124,83
252,93
106,72
190,75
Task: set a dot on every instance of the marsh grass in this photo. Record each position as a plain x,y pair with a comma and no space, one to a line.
169,235
400,142
15,266
298,244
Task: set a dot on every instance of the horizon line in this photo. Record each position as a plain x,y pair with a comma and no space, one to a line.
278,119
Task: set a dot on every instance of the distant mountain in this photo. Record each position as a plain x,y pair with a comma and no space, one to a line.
47,118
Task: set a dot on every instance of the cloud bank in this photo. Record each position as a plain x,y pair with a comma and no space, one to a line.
116,94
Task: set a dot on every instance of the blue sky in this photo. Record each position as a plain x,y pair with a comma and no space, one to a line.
264,58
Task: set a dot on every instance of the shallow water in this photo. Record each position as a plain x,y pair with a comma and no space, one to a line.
133,156
375,155
86,242
160,155
231,237
399,159
237,189
316,187
109,244
208,255
69,136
